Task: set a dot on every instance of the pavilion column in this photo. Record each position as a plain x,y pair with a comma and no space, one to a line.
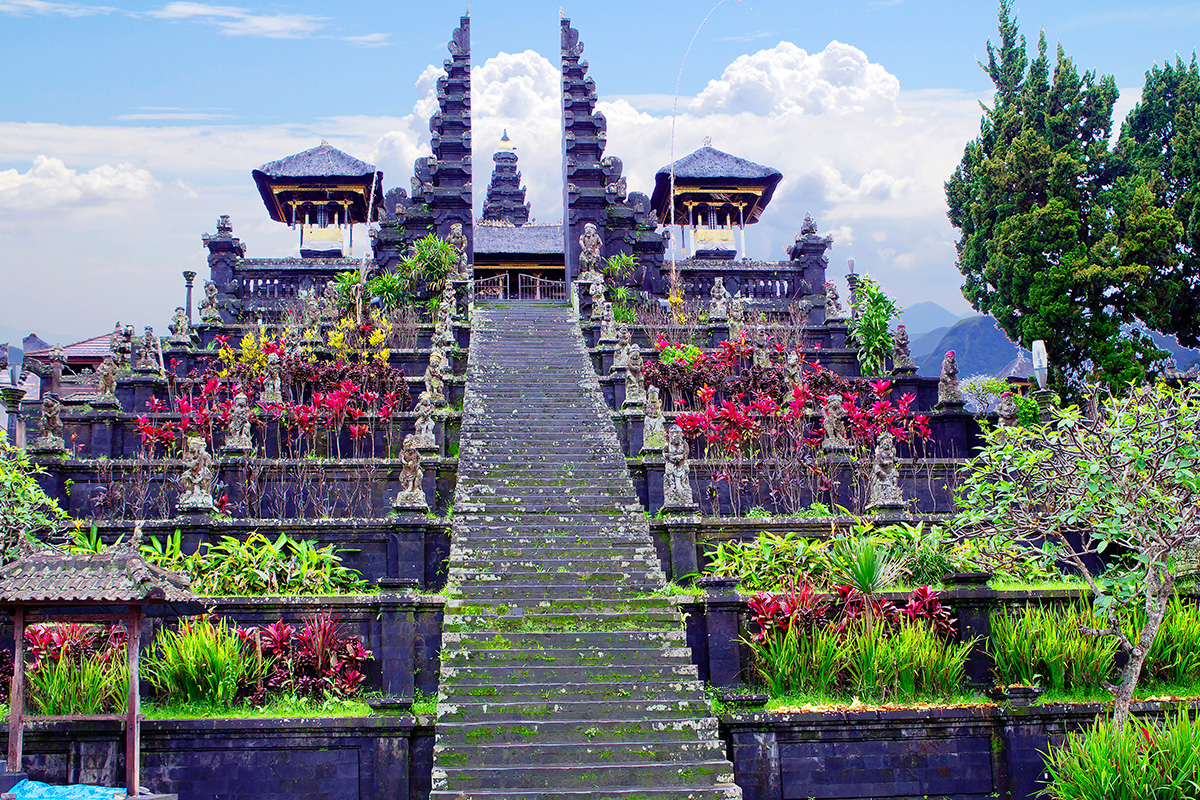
133,725
16,696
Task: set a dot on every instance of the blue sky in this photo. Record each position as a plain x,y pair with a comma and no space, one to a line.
126,128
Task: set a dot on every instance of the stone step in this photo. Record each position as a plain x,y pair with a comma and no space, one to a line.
555,776
583,709
593,752
584,607
563,639
620,793
539,672
477,552
564,732
568,656
494,561
535,594
462,694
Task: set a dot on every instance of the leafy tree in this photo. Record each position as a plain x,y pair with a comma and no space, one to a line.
1160,148
1039,247
871,326
25,510
1123,477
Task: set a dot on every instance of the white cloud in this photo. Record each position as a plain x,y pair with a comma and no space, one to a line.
370,40
50,184
237,21
24,8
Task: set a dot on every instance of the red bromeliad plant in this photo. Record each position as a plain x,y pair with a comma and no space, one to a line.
319,659
775,614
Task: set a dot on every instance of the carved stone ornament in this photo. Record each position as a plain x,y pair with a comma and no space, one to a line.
654,432
114,345
181,329
833,423
885,490
901,351
737,314
608,325
718,307
458,242
793,368
596,290
762,347
677,485
412,495
621,354
635,387
591,248
327,306
272,393
949,393
833,304
106,390
435,382
1008,410
424,426
51,437
237,431
148,360
209,310
195,484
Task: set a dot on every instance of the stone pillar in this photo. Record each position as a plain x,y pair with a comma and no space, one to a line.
973,602
188,277
396,631
681,536
722,611
11,396
755,756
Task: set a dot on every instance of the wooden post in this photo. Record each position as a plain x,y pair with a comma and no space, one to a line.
133,739
17,692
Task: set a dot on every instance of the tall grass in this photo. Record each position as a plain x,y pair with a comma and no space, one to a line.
1143,762
794,661
1046,646
203,662
1175,655
85,685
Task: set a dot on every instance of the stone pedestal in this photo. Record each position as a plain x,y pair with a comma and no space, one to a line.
718,331
838,333
723,606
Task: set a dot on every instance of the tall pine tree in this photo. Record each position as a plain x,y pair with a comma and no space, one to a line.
1032,199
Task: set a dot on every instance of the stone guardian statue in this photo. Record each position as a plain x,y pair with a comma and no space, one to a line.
902,361
654,433
885,476
106,391
949,393
412,495
237,431
51,437
719,297
209,310
458,242
195,484
677,485
833,423
591,248
635,387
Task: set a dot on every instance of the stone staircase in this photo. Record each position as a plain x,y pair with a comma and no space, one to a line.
563,676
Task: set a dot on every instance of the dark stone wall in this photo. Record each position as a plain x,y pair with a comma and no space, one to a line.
374,758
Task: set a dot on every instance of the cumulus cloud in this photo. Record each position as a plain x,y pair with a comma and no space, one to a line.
50,184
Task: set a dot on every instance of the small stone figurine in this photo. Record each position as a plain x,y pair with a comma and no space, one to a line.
424,427
677,485
148,361
272,382
237,431
448,305
126,344
635,388
597,292
106,391
608,325
885,475
654,432
949,394
621,354
833,304
435,377
209,310
1008,410
181,329
793,368
51,438
762,347
737,314
458,241
591,247
833,423
901,352
412,495
195,484
327,306
718,307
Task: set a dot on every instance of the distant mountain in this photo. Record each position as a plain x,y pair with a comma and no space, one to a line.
924,317
921,346
1184,357
14,354
978,345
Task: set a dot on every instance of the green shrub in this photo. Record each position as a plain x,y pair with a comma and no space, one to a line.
79,686
203,662
771,560
25,510
795,661
1175,655
1143,762
1046,646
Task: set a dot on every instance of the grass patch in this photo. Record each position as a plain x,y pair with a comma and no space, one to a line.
287,706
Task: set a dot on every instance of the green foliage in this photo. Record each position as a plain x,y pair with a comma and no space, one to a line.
871,325
79,685
685,354
866,565
1175,655
391,289
1147,761
1046,646
770,561
624,314
259,566
797,661
1028,412
25,510
345,282
430,261
1043,246
619,268
202,662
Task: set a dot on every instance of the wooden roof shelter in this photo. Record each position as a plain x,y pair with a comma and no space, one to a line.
44,579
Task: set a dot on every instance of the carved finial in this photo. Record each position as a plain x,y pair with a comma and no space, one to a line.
708,141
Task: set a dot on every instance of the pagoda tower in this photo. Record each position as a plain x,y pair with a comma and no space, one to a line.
505,194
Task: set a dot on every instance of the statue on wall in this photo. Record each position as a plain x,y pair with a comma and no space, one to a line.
195,484
106,390
147,360
327,306
272,393
591,247
737,314
412,495
833,424
949,394
424,426
902,351
608,325
833,304
181,329
51,437
458,242
793,368
677,485
114,344
885,475
237,430
762,347
635,388
209,309
654,432
435,377
1008,411
596,290
719,297
621,354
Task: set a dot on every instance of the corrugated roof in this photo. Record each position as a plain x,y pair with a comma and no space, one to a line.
322,161
709,162
117,575
519,240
